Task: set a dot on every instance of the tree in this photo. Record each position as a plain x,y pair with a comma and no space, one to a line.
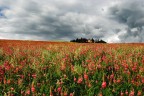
85,40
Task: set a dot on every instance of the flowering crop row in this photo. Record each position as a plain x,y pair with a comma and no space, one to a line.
70,69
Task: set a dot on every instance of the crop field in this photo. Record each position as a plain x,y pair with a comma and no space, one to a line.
36,68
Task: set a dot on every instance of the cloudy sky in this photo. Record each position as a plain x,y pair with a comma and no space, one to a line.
110,20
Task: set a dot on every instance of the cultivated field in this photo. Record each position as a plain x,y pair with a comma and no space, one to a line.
29,68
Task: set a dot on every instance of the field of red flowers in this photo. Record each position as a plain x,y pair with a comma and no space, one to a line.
36,68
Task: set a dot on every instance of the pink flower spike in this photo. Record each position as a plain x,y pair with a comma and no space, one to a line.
104,84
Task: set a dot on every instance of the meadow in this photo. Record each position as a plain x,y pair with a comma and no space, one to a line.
36,68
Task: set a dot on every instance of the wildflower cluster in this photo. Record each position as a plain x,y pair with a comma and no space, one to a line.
71,69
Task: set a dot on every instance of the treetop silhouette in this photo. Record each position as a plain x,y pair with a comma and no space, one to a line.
85,40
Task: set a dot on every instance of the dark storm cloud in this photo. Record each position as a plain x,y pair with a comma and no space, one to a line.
50,28
130,13
110,20
54,19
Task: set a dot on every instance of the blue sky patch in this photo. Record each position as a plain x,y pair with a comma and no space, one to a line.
1,11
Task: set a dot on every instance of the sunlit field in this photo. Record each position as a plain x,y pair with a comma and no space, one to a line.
36,68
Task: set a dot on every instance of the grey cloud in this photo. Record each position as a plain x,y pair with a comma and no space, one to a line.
70,19
54,19
132,35
131,14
